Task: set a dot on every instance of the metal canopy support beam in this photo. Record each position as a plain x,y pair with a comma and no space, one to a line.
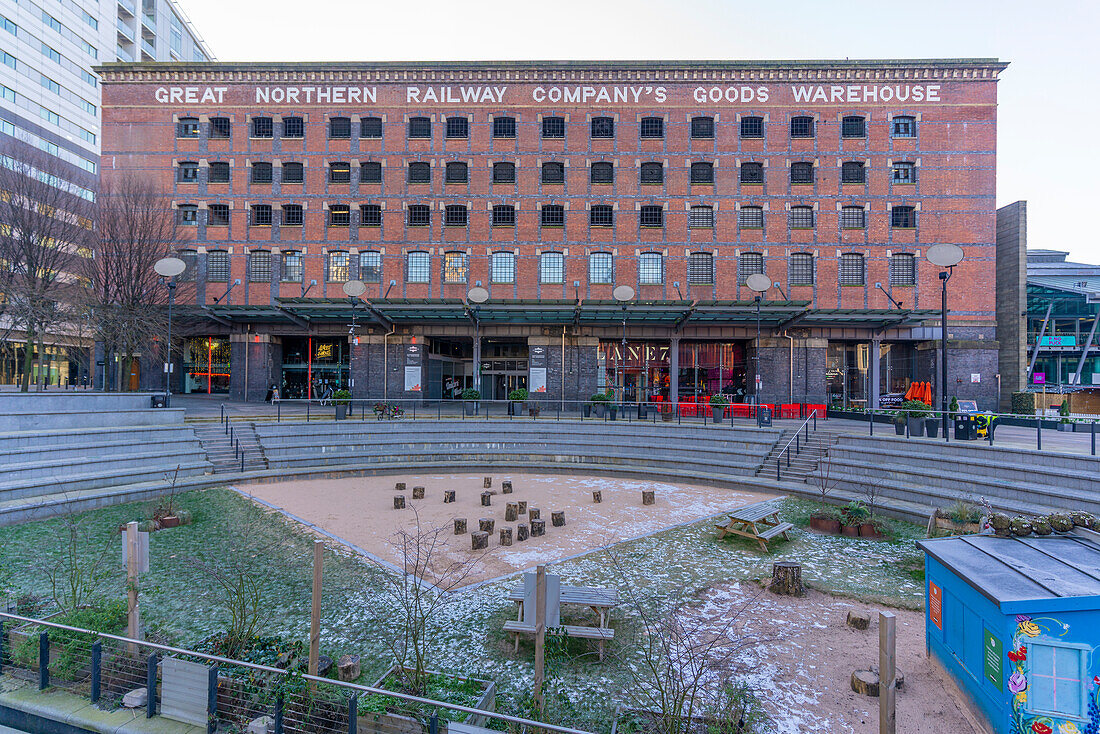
294,317
215,317
686,315
794,319
1038,341
383,320
1085,351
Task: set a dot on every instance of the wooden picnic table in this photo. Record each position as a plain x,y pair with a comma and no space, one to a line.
599,600
759,521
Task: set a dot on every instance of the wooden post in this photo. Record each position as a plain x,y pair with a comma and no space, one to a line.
315,610
887,673
133,563
540,635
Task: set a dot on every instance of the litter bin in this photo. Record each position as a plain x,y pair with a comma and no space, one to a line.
966,428
764,417
159,400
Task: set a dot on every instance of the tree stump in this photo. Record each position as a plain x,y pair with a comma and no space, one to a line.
522,507
506,536
506,487
399,502
488,482
538,528
448,496
522,532
533,514
787,579
479,540
460,526
399,487
348,668
511,512
597,496
648,498
865,682
859,620
418,493
486,499
557,518
486,524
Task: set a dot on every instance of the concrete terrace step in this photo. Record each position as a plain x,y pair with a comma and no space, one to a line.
75,437
39,455
41,486
975,449
62,469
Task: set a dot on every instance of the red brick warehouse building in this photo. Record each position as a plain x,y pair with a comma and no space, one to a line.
548,184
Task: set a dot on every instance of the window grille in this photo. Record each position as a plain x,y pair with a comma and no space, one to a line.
220,127
218,215
853,217
187,127
259,266
370,127
339,173
552,267
370,215
801,269
261,215
651,216
601,268
602,215
339,215
651,268
552,215
457,172
190,260
370,267
701,216
905,173
603,127
188,172
504,173
420,127
853,126
553,173
292,267
294,127
455,269
217,266
752,127
749,263
802,126
418,265
338,267
904,126
370,172
903,217
218,172
653,173
339,127
851,269
294,173
700,268
458,127
751,217
262,172
293,215
702,173
504,215
420,173
455,215
553,127
752,173
504,127
420,215
802,173
602,173
262,127
503,267
903,269
652,127
702,127
801,217
853,172
188,215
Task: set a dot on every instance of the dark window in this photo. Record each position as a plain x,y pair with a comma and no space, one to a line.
292,267
701,216
218,215
750,217
903,217
702,173
651,269
904,173
455,215
504,127
802,173
339,266
651,216
801,269
552,267
653,173
752,173
339,215
851,269
457,172
504,215
601,267
294,127
188,215
370,215
603,127
853,126
218,173
853,217
370,127
370,267
853,172
262,127
802,126
752,127
187,127
217,266
220,127
292,215
455,267
259,266
339,127
904,126
419,266
261,215
339,172
700,268
552,215
602,173
903,269
190,259
553,127
188,172
553,173
504,173
420,215
702,127
294,172
261,172
420,173
458,127
801,217
370,172
749,263
652,127
601,215
420,127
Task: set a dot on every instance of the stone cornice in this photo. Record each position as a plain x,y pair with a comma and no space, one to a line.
590,72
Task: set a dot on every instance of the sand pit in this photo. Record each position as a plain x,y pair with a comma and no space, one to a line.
359,511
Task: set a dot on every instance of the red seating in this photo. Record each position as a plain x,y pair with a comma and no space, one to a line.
741,410
811,407
790,410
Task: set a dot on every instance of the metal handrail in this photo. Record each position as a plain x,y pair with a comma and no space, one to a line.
311,678
794,439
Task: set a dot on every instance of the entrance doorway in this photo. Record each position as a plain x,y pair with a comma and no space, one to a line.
450,368
503,367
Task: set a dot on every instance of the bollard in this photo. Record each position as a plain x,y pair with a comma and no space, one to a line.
1039,434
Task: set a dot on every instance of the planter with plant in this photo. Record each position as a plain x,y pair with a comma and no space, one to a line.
600,402
1066,423
826,520
668,411
899,423
915,412
961,517
854,514
342,398
380,713
470,398
516,399
718,405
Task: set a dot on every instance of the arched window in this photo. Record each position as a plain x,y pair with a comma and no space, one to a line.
752,127
504,127
903,217
456,215
503,267
457,172
853,126
851,269
701,215
700,268
458,127
853,217
339,172
652,127
339,127
801,217
801,269
653,173
904,126
601,215
552,215
853,172
259,266
651,270
339,215
262,172
371,127
420,215
294,127
552,267
802,173
802,126
751,217
702,127
420,172
603,127
601,268
190,260
553,127
370,172
702,172
903,269
455,268
504,172
187,127
370,266
651,216
602,173
217,266
418,267
749,263
420,127
504,215
752,173
553,173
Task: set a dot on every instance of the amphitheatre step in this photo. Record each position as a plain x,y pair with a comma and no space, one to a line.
77,437
40,486
74,465
11,457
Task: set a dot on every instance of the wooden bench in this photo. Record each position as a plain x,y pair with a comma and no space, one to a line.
759,521
598,600
600,634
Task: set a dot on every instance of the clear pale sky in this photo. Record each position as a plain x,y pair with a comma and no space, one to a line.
1049,116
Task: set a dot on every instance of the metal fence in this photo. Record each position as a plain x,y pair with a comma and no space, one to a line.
103,668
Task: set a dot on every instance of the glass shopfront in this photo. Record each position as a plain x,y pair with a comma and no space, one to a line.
314,367
712,368
848,373
639,371
206,365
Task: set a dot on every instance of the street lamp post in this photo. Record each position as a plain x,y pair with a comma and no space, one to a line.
624,294
168,268
477,296
353,289
758,283
945,256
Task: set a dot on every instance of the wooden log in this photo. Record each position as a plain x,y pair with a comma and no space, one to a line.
460,526
399,502
787,579
399,487
534,514
488,482
597,496
522,507
479,540
448,496
348,667
418,493
511,512
859,620
538,528
506,487
522,532
557,518
486,499
648,498
486,524
506,536
865,682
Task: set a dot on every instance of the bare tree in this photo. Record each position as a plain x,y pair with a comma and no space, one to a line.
45,229
82,567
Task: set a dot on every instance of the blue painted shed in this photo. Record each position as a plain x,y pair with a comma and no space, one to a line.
1016,622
